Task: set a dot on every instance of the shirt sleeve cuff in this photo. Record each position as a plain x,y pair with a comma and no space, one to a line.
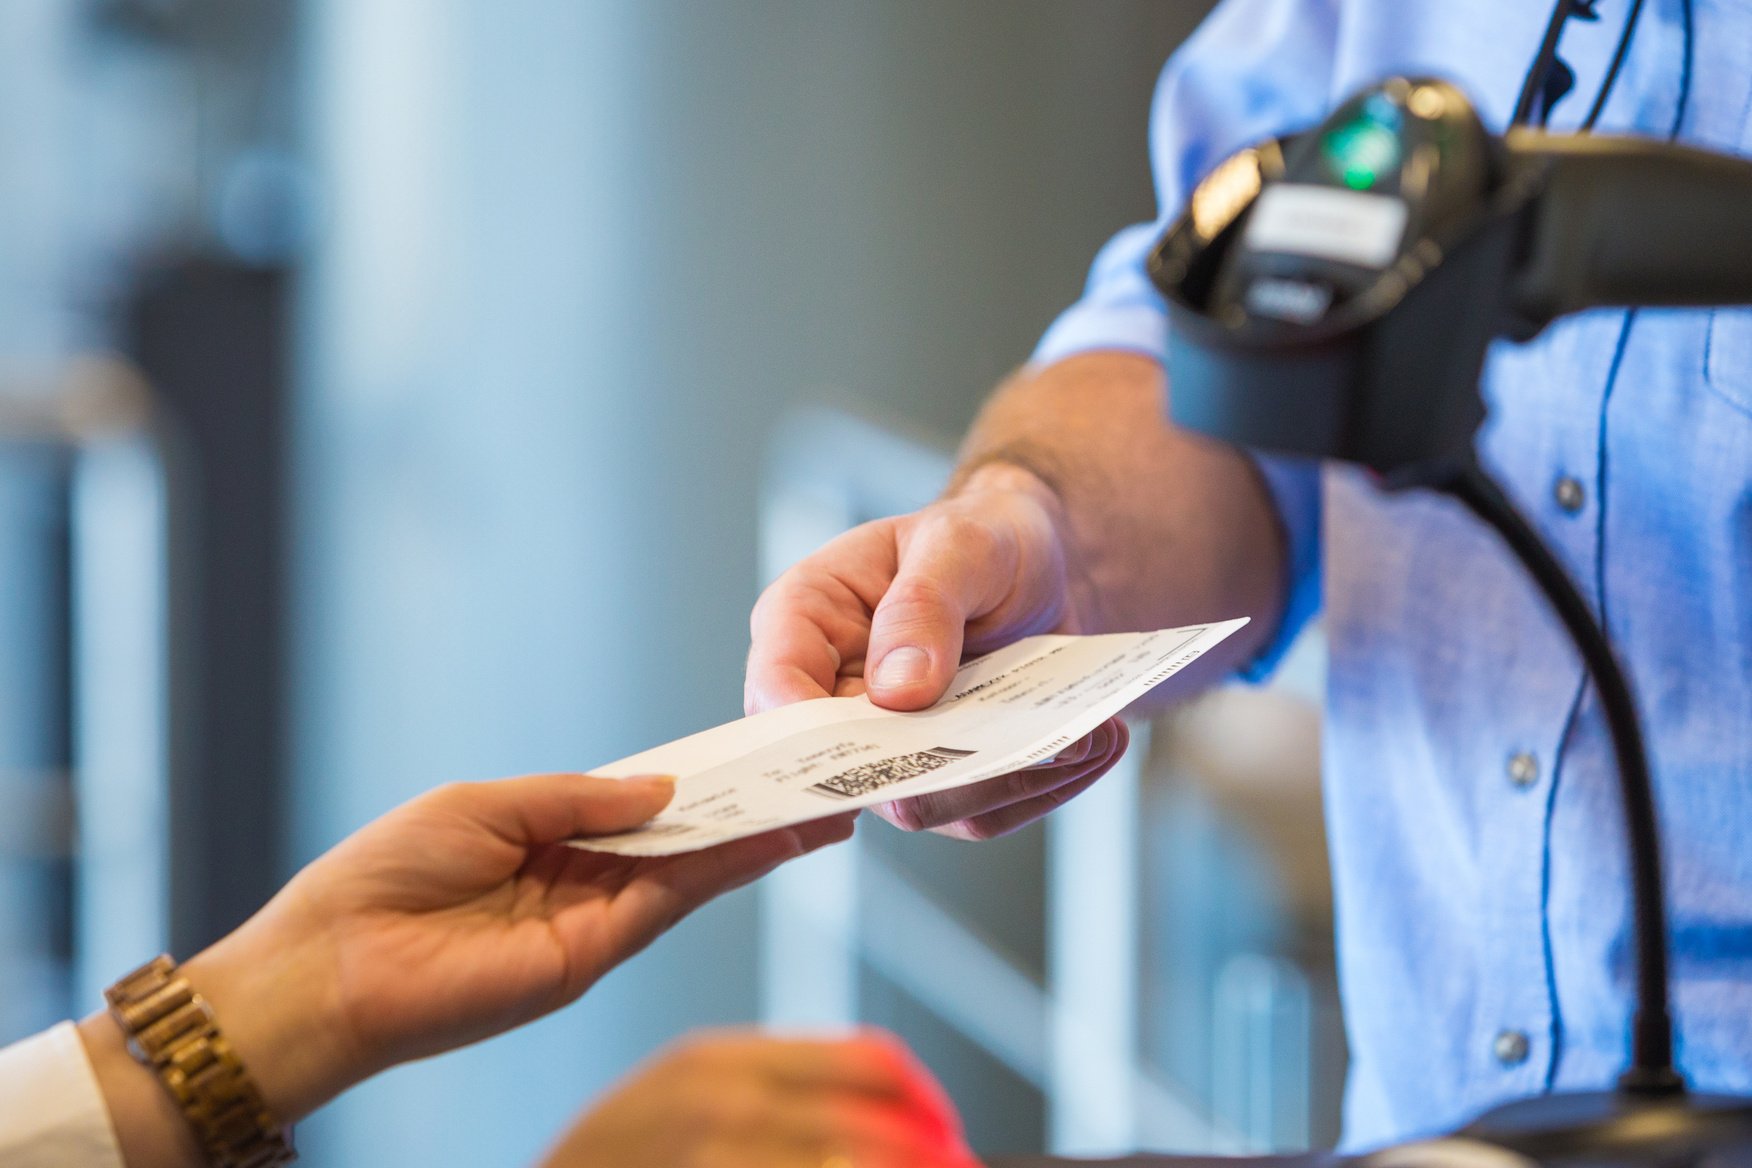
52,1112
1136,327
1294,485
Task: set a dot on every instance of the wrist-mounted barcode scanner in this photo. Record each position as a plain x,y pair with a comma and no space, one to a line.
1333,294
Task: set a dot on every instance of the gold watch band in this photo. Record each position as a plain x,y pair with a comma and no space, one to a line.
171,1029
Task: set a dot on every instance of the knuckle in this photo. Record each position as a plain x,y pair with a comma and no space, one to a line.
976,830
968,534
917,591
762,606
1020,785
905,814
933,811
784,592
1083,749
1059,796
760,693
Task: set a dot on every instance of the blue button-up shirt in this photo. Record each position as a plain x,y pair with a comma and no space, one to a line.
1478,858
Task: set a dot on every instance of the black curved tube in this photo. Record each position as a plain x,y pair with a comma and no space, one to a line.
1651,1068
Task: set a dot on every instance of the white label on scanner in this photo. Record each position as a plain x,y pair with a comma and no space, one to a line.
1351,227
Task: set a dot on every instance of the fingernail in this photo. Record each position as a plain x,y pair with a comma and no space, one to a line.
653,781
902,667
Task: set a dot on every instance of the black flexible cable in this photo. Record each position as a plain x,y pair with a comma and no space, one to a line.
1688,24
1612,70
1651,1068
1533,88
1533,105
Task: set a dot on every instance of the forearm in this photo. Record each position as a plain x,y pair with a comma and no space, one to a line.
271,998
1162,528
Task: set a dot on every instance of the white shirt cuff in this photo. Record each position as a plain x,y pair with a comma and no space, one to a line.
52,1112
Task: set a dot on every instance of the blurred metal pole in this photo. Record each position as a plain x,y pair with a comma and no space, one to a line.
1262,1015
35,825
213,338
114,634
1094,918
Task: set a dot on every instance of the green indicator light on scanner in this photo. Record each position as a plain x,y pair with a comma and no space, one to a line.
1361,152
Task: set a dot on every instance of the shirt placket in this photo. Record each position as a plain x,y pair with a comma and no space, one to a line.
1517,1037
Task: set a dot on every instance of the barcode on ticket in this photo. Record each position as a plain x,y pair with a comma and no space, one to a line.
873,776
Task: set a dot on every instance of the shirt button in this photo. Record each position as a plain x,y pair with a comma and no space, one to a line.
1523,769
1511,1047
1570,494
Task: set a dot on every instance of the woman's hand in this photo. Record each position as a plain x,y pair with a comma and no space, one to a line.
744,1100
459,915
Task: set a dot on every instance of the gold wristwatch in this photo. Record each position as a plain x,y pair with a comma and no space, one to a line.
172,1030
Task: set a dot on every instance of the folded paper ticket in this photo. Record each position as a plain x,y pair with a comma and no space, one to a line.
1005,711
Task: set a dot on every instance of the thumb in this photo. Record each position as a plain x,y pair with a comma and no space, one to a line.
917,631
549,808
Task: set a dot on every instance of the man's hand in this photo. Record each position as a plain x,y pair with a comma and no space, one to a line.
745,1100
452,918
1078,509
892,607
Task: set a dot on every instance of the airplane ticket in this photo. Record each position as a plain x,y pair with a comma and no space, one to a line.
1008,710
